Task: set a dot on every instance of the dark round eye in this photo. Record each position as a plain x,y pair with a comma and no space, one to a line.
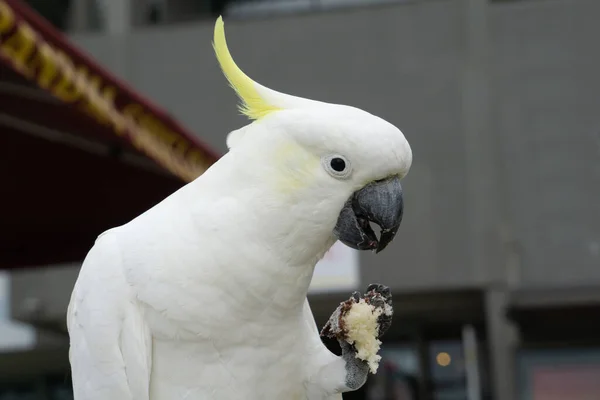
337,164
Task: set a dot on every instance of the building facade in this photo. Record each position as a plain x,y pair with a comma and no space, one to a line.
496,269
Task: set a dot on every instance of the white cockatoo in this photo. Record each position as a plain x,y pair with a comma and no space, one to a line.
204,296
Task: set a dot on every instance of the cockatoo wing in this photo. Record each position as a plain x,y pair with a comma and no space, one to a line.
110,351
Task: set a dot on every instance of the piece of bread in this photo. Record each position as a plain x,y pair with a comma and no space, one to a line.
361,321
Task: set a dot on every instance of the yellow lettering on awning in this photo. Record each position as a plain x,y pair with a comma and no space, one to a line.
7,18
65,89
55,71
19,47
44,62
108,95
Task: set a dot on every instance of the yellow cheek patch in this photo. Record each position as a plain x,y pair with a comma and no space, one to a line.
297,168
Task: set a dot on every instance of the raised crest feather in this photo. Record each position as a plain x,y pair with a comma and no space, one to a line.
253,105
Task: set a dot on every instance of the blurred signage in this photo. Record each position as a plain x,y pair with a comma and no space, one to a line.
337,271
568,382
37,51
568,373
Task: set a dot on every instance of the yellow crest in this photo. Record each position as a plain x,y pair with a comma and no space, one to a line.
253,105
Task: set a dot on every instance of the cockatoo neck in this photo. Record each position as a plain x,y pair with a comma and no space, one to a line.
280,240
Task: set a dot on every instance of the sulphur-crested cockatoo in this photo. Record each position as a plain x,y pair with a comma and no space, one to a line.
204,296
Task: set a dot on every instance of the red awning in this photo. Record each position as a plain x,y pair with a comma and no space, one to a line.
80,152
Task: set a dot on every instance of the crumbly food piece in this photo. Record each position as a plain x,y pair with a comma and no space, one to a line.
361,321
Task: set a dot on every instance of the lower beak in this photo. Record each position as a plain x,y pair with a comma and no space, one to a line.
380,202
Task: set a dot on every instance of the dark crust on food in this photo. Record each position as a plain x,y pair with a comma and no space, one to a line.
335,328
377,295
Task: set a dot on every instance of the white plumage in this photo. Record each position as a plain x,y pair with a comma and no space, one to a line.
204,295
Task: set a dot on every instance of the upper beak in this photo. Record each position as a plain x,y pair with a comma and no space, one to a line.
379,202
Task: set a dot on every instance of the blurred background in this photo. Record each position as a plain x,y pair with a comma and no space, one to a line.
496,269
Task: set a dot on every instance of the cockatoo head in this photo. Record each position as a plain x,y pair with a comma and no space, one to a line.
337,165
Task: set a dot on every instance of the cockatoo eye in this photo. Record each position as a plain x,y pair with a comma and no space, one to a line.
337,166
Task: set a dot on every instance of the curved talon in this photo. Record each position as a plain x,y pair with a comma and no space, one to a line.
384,324
379,288
379,296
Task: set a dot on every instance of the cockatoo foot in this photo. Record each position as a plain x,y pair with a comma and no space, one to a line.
380,297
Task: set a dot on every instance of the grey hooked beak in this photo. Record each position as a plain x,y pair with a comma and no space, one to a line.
379,202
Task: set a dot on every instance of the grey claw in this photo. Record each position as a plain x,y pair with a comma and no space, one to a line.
384,324
379,295
383,290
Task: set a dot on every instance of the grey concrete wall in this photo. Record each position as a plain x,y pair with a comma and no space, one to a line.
546,115
411,64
